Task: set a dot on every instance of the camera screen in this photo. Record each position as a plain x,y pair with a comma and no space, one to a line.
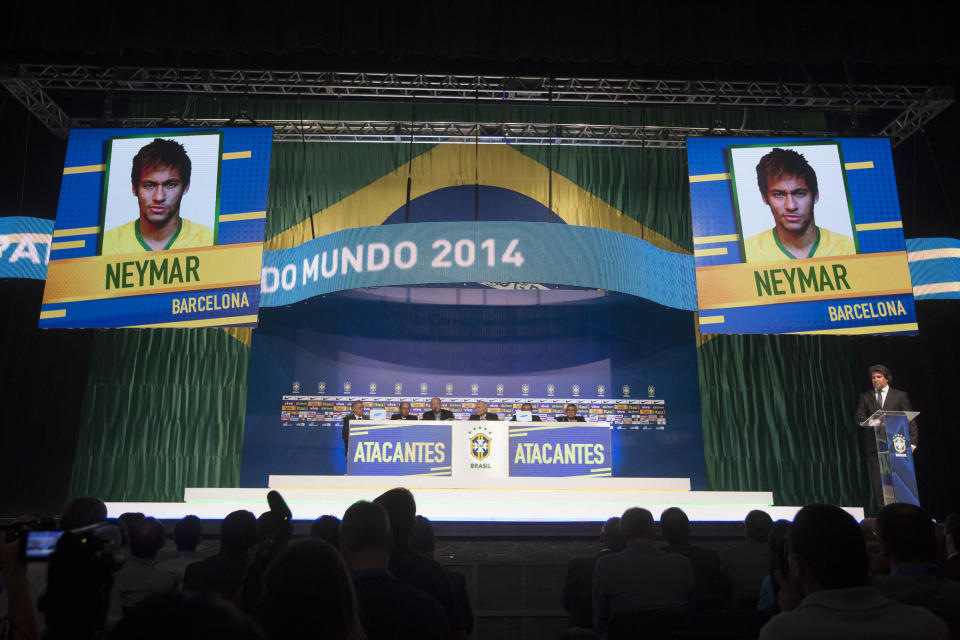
41,544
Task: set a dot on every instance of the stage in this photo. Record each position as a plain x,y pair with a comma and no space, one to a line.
469,500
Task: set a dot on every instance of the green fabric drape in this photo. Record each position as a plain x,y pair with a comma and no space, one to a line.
163,410
778,415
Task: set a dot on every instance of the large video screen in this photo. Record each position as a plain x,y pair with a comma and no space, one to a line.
798,236
159,228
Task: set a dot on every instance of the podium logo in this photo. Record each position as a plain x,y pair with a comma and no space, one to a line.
480,446
900,443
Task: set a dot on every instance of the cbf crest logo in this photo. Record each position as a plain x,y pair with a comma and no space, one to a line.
550,389
899,443
474,389
347,386
651,391
576,389
626,391
601,390
321,387
296,386
423,387
449,388
397,388
480,442
373,387
525,389
499,389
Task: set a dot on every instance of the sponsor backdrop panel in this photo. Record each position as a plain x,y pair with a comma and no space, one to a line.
621,359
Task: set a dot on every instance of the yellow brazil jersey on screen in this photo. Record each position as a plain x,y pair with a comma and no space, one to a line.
127,239
766,247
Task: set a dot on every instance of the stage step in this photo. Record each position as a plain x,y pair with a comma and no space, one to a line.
444,513
497,499
451,482
492,499
459,499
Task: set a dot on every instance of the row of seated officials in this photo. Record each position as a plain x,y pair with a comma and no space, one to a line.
372,575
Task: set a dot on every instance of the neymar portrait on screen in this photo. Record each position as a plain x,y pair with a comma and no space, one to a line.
160,177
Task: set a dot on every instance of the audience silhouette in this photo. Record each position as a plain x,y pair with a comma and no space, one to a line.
824,576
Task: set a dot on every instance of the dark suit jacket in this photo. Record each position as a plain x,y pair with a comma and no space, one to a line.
640,578
895,400
346,427
392,609
398,416
459,584
445,414
428,576
534,418
566,419
707,571
577,598
490,416
222,573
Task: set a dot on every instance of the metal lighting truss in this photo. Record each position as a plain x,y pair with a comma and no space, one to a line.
32,85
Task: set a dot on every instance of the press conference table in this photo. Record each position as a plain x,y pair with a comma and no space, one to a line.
479,448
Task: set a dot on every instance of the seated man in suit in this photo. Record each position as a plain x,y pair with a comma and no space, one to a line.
436,413
577,596
707,570
482,413
570,415
641,577
355,414
526,406
404,412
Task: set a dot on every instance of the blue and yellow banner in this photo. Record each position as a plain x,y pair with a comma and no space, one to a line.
458,252
399,449
572,449
798,236
24,247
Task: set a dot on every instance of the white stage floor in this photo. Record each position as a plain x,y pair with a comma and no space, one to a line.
446,499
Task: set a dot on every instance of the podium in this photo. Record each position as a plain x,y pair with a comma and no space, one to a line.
894,454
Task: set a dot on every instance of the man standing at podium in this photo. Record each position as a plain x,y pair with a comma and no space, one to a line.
881,396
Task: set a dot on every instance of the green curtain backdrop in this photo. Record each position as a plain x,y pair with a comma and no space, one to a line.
163,410
778,415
